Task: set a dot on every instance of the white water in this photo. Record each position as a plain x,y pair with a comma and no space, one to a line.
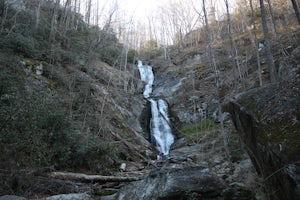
160,128
146,76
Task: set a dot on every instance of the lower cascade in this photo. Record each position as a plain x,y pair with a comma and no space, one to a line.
160,127
161,133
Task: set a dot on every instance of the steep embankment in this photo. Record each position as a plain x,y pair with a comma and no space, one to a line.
68,118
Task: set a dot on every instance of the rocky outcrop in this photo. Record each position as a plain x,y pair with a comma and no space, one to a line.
196,182
268,120
174,184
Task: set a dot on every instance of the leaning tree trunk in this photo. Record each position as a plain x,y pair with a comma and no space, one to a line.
275,31
269,54
295,6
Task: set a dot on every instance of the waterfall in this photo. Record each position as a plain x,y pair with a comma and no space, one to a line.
160,129
147,76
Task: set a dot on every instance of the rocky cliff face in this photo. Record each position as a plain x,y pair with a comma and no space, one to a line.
268,121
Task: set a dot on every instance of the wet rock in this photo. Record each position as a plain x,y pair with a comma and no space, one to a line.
167,89
268,121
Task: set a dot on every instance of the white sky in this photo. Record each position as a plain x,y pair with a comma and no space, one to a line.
138,9
137,13
141,9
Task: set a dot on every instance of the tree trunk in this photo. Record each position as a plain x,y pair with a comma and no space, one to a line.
3,13
275,31
66,12
53,20
90,178
255,44
2,7
295,6
88,12
38,12
267,42
233,55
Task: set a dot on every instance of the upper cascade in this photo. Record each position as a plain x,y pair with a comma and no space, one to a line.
147,76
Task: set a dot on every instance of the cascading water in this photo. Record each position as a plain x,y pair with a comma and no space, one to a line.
160,129
146,76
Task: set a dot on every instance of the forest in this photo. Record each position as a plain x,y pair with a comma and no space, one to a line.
71,96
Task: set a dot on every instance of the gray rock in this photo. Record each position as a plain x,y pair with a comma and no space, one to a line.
267,120
174,184
12,197
238,191
82,196
225,116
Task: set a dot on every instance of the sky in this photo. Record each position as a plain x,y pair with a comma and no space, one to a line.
139,9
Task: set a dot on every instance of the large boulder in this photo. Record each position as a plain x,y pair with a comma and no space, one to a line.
173,184
188,183
268,120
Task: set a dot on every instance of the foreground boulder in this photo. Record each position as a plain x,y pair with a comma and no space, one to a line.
173,184
268,120
187,183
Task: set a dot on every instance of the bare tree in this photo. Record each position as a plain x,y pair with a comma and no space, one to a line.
178,20
233,52
255,44
88,12
53,19
268,51
213,63
38,12
275,31
65,19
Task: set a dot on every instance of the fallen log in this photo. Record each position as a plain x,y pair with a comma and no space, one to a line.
90,178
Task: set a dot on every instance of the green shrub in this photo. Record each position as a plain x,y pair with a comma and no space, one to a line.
19,44
93,152
132,55
195,133
111,54
203,125
37,128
